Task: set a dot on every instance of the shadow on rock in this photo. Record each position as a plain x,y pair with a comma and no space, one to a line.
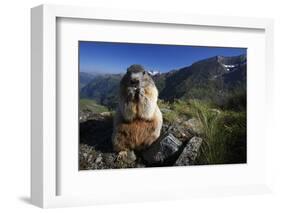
97,132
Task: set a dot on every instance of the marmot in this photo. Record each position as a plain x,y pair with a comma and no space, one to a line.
138,120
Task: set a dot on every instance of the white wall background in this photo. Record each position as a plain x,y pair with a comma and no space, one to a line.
15,104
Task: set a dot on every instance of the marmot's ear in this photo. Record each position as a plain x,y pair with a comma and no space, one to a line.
149,73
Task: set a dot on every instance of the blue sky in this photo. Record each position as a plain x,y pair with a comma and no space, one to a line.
108,57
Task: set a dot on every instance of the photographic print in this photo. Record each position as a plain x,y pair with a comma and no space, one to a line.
155,105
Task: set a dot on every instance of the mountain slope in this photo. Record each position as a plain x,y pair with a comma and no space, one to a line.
212,79
103,89
85,78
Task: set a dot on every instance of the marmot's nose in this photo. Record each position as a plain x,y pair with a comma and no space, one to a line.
135,81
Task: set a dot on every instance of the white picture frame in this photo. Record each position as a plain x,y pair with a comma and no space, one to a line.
45,167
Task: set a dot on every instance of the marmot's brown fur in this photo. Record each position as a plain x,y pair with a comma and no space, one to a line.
138,120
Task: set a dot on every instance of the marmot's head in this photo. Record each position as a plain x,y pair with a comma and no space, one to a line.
136,77
137,95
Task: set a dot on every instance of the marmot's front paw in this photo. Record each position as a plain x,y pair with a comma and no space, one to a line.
122,155
141,92
126,156
131,95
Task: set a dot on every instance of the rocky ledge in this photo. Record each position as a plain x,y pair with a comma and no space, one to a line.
178,145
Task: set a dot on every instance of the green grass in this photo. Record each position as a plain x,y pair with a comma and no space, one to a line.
224,134
91,105
172,111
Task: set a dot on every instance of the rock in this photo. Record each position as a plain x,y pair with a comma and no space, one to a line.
163,151
194,126
109,159
105,160
96,132
178,130
98,159
96,152
189,153
125,159
106,114
181,132
84,115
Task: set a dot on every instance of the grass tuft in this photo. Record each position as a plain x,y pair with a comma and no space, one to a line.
224,137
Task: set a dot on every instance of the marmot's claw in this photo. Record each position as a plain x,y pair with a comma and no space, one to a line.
122,155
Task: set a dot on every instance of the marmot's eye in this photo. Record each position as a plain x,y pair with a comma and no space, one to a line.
143,72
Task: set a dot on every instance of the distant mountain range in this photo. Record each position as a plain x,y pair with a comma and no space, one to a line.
213,79
85,78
